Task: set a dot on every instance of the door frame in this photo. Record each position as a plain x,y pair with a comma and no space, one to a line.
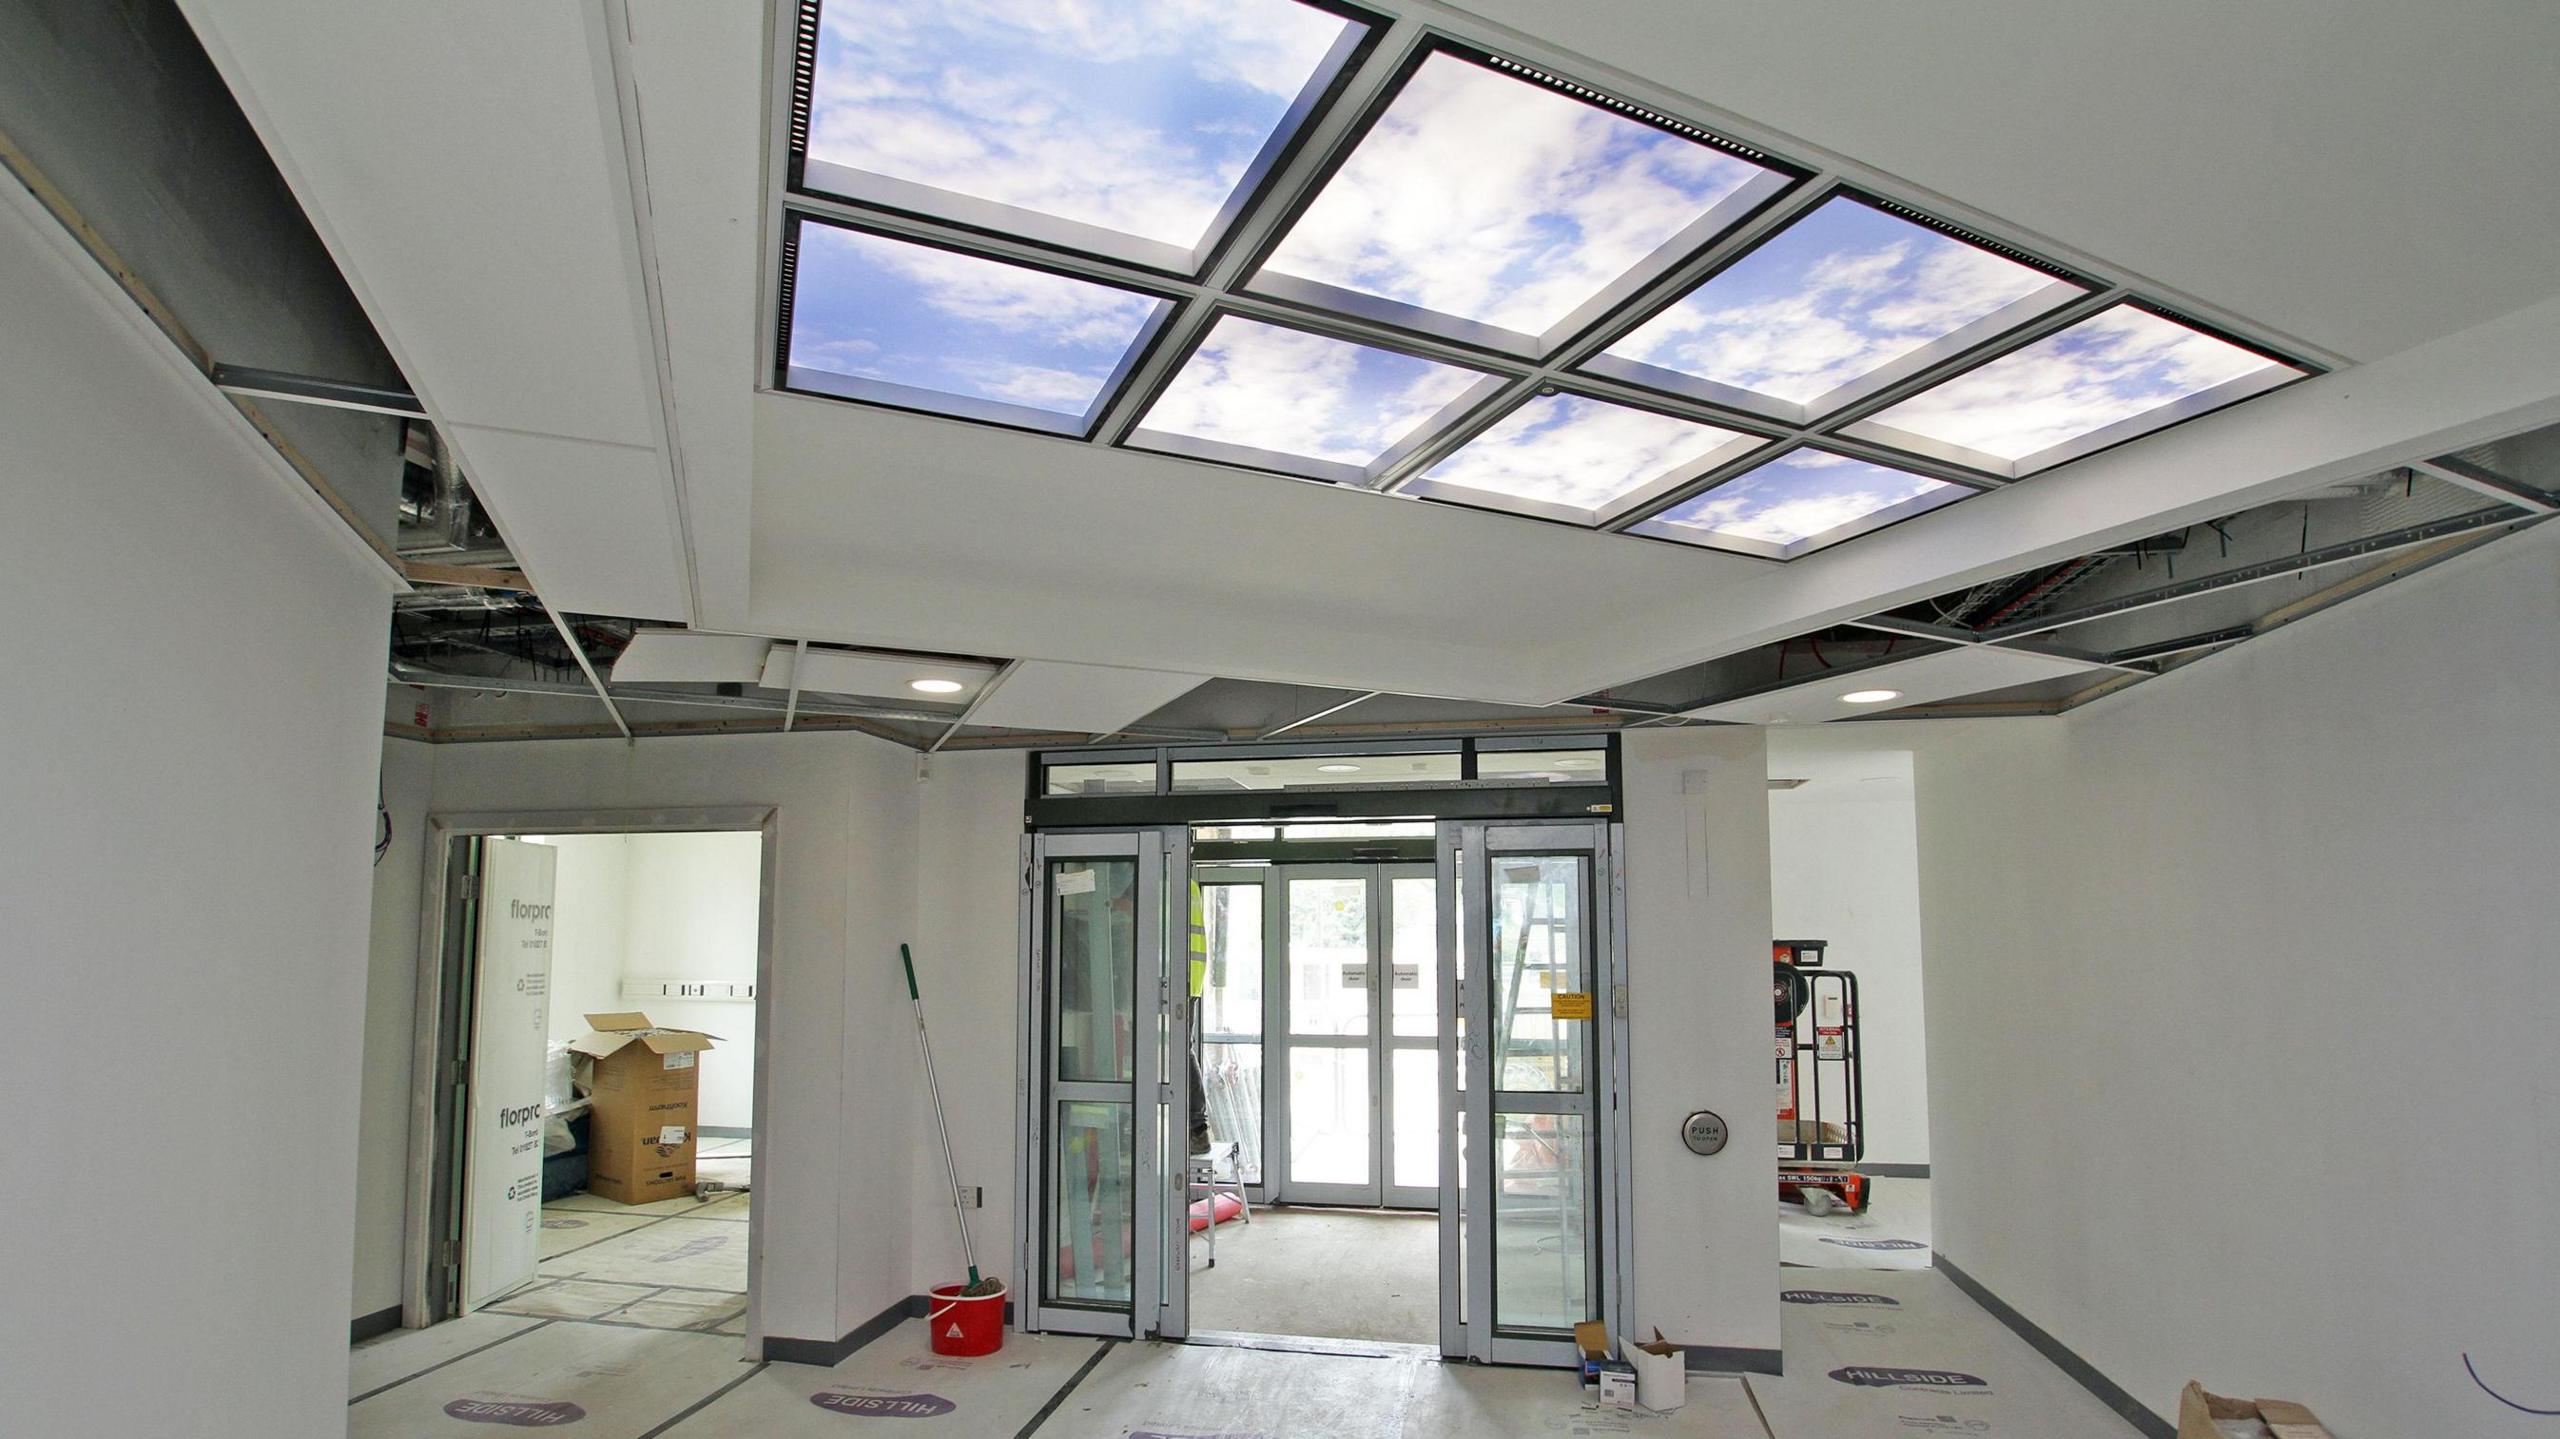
431,1077
1159,1107
1466,1211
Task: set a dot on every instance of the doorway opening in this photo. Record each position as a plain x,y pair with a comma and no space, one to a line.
1316,1038
592,997
1404,1039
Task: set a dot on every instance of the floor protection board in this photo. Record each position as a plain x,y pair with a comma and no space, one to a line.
1906,1354
1893,1233
390,1358
609,1383
1496,1403
696,1253
897,1386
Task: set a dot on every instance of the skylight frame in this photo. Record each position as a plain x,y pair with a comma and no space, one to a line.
1400,35
1320,301
1488,387
1748,445
922,400
1858,528
807,176
2065,289
1865,425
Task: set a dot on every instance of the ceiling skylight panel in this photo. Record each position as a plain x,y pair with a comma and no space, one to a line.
1843,299
1799,502
2122,372
1135,128
1490,208
1278,398
900,323
1567,457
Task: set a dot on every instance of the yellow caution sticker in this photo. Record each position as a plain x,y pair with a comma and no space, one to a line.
1573,1006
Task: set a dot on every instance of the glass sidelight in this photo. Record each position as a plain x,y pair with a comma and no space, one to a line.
1533,1069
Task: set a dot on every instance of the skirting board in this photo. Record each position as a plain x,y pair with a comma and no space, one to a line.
2082,1372
1728,1359
1872,1171
368,1326
722,1131
827,1353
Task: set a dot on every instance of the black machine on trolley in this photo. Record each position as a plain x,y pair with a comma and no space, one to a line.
1821,1100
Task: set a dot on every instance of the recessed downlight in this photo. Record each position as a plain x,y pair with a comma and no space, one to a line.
936,687
1337,769
1869,697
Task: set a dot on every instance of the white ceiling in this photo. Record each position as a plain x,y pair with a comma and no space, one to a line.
2356,174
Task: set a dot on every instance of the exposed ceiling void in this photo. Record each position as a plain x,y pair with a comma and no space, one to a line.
1884,688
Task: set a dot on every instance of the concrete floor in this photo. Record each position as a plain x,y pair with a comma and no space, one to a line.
1893,1233
1329,1273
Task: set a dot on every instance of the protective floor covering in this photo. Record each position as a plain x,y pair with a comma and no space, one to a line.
697,1253
1907,1354
1332,1273
395,1356
897,1386
1893,1233
611,1383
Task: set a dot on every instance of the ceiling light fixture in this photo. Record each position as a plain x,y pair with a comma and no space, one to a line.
936,687
1337,769
1869,697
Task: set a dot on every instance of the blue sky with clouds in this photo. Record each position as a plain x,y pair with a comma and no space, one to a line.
1797,496
1501,201
1840,293
1137,118
912,314
2115,365
1574,451
1273,388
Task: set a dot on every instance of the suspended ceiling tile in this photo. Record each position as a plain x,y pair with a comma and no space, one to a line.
1927,679
1091,699
878,676
691,657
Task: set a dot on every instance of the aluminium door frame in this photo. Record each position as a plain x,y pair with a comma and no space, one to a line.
1158,1304
1256,876
429,1133
1466,1212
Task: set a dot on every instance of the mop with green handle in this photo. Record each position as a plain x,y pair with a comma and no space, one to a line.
977,1287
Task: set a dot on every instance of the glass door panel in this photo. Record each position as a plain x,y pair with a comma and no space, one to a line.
1231,1019
1410,1050
1328,956
1534,954
1331,1141
1096,1038
1415,1147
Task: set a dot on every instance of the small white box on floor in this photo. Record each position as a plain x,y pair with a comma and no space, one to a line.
1617,1385
1662,1373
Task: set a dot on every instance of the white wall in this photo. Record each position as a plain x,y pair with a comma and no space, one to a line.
692,915
2241,1004
1844,865
968,964
838,1128
188,749
1697,839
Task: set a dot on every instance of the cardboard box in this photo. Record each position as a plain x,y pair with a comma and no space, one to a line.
1592,1338
2198,1410
1617,1385
640,1143
1662,1373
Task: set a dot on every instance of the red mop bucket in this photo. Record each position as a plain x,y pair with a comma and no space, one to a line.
964,1325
